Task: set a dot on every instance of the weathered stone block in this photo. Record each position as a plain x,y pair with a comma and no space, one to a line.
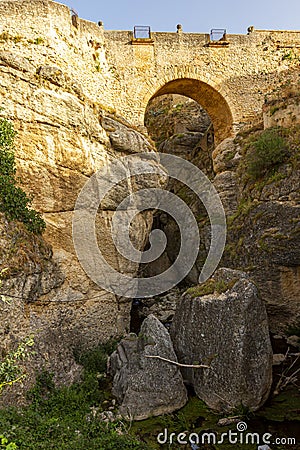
229,332
144,386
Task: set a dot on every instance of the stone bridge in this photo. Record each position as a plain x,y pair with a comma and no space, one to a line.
229,78
58,76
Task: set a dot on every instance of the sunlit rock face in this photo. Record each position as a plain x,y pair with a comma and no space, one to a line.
62,139
59,84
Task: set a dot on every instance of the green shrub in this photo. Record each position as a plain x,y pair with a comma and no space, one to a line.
13,200
95,360
44,387
266,154
4,444
10,370
67,418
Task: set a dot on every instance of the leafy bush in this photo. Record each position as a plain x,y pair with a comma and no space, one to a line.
10,371
13,200
4,444
266,153
95,360
44,387
67,418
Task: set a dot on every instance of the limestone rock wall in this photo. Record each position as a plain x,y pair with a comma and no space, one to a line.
282,112
64,84
180,126
263,214
62,139
263,222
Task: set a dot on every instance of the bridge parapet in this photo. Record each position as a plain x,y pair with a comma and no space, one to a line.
230,81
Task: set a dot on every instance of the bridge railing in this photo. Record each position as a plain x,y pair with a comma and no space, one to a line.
141,32
218,34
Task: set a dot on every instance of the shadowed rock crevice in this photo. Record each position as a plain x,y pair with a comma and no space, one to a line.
180,126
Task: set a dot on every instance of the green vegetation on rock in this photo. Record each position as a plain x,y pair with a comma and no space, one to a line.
69,418
210,287
266,153
10,369
14,202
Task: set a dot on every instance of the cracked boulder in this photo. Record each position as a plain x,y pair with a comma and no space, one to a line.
144,386
223,324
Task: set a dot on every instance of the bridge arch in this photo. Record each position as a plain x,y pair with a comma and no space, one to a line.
208,97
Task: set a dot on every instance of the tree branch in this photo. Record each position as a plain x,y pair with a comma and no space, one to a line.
193,366
11,382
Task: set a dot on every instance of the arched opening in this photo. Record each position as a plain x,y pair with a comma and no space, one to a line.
180,126
208,97
182,118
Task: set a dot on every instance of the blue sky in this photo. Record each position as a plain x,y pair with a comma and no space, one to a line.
195,15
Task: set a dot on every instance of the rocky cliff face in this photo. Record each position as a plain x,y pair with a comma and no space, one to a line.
64,136
262,209
62,139
263,232
181,127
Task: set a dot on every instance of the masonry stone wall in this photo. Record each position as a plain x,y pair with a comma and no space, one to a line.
230,81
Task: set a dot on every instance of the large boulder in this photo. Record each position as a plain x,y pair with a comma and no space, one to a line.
226,156
227,329
144,386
